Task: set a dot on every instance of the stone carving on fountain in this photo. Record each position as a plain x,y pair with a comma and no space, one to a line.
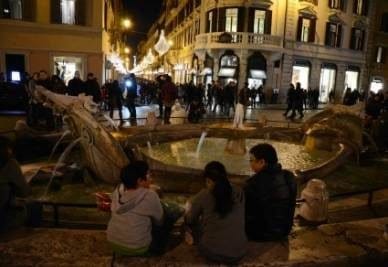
103,154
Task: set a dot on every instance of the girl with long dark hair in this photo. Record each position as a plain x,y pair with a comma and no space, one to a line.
216,217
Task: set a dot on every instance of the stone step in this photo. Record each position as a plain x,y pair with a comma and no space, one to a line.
357,243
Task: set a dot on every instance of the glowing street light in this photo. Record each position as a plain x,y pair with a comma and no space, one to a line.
126,23
127,50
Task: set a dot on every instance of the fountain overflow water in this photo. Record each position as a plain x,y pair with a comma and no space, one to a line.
61,159
200,143
66,133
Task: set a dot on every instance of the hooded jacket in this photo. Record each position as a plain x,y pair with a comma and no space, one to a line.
133,212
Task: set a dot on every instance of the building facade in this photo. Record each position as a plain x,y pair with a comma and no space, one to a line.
58,36
378,48
319,43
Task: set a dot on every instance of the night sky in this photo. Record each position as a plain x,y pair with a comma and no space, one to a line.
142,13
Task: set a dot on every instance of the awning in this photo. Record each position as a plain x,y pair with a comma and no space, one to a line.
258,74
227,72
206,71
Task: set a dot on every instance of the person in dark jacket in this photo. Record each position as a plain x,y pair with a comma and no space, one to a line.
169,94
92,88
76,85
290,99
115,99
270,196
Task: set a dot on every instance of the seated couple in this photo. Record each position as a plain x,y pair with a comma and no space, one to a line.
221,217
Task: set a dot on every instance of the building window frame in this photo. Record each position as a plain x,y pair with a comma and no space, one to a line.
333,34
231,19
306,29
357,39
360,7
380,54
337,4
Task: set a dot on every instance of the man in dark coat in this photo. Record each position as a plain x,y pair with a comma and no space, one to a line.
270,196
76,85
92,88
169,94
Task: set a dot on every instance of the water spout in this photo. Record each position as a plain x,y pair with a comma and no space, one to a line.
111,122
149,146
200,143
67,132
61,159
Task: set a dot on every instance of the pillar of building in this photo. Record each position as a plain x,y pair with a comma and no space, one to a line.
340,82
286,77
315,74
242,76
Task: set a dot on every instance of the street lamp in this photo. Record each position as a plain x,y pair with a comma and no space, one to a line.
126,23
127,50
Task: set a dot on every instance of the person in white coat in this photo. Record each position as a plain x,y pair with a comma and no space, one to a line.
135,208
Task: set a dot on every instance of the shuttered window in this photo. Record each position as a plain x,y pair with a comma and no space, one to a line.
333,34
306,29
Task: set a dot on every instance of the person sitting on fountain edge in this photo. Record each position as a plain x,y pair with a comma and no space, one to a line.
270,196
135,209
12,182
215,217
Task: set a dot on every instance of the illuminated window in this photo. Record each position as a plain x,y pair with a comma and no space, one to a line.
336,4
306,23
259,21
380,55
210,21
231,20
12,9
360,7
68,11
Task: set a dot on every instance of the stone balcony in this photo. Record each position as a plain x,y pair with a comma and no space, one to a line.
239,40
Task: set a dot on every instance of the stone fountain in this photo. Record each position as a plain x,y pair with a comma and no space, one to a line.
335,132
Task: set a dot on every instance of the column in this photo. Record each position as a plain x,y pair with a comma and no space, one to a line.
340,82
286,77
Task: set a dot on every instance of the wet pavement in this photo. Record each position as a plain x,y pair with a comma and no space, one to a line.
272,113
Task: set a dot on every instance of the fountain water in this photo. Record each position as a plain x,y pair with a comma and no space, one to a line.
111,122
61,159
200,143
66,133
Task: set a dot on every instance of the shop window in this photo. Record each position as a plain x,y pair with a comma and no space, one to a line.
351,78
306,29
327,81
380,54
229,61
337,4
376,85
333,34
360,7
231,19
301,74
65,67
357,39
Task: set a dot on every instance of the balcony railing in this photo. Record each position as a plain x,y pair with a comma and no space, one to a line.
238,40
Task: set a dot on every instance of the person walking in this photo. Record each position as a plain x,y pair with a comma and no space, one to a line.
92,88
169,95
76,85
115,99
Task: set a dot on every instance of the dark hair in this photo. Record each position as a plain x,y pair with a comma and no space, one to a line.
265,151
5,144
222,190
132,172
